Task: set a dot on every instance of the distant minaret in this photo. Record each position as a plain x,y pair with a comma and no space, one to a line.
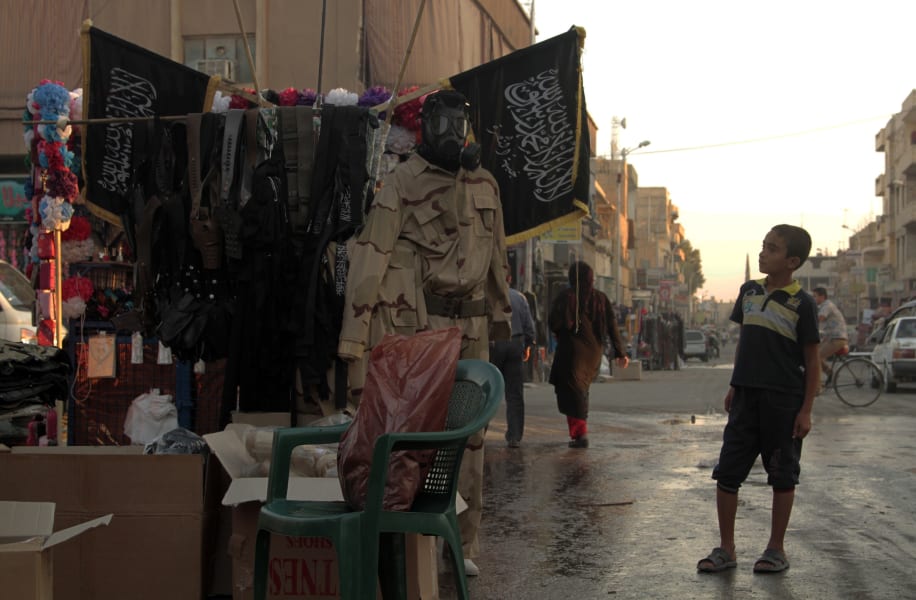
747,267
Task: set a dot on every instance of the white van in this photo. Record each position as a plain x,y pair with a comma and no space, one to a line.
17,301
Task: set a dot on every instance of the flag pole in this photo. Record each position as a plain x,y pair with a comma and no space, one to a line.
394,100
254,72
324,12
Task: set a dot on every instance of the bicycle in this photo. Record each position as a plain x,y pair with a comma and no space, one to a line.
856,380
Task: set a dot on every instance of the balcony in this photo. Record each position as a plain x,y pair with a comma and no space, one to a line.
879,185
880,140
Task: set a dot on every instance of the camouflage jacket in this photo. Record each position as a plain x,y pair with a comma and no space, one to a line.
428,232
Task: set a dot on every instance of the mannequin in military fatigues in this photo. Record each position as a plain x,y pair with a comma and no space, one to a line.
432,255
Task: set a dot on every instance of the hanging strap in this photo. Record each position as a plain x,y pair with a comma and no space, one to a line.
297,135
228,157
229,219
194,158
306,138
252,116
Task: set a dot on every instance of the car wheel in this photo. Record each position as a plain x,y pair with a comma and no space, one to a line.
890,386
705,358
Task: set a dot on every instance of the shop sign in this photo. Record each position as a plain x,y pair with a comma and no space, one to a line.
565,233
13,201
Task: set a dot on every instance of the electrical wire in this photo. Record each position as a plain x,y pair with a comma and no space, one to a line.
766,138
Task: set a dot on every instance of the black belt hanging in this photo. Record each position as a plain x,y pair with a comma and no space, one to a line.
228,210
297,135
205,230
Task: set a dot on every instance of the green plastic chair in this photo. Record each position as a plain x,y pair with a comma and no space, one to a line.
357,535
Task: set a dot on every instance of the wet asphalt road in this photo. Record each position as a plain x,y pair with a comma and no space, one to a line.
630,516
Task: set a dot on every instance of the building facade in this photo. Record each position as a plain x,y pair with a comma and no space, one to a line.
895,230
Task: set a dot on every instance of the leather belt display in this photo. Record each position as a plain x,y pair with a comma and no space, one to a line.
228,217
456,308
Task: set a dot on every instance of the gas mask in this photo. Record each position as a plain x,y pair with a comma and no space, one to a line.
445,132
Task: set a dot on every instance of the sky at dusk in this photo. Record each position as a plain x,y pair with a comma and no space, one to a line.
757,113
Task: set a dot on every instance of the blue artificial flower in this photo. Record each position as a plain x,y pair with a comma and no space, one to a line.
54,101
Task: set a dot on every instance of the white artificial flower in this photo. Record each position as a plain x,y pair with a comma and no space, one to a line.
341,97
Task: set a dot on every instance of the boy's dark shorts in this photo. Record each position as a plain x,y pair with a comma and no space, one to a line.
760,422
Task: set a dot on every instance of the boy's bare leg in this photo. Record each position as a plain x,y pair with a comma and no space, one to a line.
727,509
779,522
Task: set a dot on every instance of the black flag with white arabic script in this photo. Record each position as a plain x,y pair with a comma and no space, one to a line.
125,80
528,113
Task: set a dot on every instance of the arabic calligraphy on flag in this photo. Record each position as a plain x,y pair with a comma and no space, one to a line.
528,109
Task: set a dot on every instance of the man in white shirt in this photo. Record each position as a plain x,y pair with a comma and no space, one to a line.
832,326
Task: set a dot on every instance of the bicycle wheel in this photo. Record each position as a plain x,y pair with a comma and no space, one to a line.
858,382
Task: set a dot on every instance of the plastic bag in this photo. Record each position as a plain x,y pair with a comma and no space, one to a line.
149,416
178,441
407,388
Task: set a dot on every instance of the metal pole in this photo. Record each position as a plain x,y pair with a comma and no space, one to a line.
58,292
529,243
254,71
324,11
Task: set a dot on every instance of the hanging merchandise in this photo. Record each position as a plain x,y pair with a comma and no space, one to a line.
76,243
136,348
46,248
342,190
52,187
76,291
51,101
254,188
165,355
102,356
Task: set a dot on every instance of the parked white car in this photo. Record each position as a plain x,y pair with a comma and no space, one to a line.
17,301
696,345
895,353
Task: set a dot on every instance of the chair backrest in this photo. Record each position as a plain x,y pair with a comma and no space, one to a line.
476,395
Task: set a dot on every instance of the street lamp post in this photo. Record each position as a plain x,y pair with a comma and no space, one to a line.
623,180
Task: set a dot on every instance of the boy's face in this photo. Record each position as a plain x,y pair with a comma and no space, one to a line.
773,259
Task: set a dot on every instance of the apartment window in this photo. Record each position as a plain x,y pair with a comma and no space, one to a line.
222,55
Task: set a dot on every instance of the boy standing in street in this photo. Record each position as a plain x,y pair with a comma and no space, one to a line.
771,396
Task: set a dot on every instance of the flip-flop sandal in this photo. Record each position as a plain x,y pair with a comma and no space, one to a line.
771,561
718,560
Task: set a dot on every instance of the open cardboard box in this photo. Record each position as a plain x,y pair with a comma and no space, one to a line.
298,566
27,539
306,566
158,544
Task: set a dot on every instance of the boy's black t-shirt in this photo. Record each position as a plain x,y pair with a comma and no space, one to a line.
774,330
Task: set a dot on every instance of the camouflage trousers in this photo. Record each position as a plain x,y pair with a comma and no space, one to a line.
470,486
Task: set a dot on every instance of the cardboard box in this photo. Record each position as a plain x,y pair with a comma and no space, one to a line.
298,566
632,372
157,546
27,540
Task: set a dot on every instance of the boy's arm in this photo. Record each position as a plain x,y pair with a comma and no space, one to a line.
812,382
730,394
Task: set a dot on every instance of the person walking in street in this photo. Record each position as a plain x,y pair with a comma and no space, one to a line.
583,321
509,357
432,255
832,325
771,396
